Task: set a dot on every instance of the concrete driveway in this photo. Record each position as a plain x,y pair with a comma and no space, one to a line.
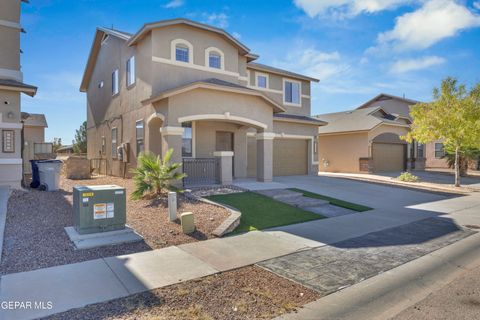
392,207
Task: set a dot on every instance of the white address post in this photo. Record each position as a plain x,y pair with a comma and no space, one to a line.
172,206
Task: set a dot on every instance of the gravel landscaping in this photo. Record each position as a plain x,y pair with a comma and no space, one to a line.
246,293
35,236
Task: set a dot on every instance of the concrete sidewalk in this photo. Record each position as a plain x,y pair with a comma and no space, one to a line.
77,285
4,195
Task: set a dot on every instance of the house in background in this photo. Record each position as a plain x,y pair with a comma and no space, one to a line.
34,146
194,88
367,139
11,88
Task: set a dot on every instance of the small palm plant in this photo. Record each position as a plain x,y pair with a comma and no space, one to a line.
155,176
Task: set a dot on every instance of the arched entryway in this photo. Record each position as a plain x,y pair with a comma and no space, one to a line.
154,141
388,153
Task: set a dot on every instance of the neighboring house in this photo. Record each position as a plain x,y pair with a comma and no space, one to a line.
65,150
34,138
367,139
11,87
194,88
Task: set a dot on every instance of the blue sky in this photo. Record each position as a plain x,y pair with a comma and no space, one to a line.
357,48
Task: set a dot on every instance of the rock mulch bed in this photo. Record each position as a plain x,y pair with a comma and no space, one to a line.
210,191
246,293
35,236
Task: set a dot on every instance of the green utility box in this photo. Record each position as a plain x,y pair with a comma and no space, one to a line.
99,208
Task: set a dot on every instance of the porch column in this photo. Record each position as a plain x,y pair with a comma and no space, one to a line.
172,138
225,159
265,156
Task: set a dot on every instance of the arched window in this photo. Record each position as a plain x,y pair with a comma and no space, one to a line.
214,58
182,51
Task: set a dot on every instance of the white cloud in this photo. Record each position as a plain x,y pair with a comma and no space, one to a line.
174,4
346,8
434,21
315,63
216,19
476,5
237,35
407,65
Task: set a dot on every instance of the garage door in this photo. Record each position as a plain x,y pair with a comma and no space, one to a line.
290,157
388,157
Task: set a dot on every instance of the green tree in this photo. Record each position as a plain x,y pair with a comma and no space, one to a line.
154,175
57,143
453,117
80,142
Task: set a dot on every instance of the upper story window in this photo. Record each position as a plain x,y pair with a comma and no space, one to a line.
261,80
115,82
215,60
181,50
130,71
181,53
291,92
439,150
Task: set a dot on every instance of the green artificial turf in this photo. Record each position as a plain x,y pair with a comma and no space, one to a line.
261,212
333,201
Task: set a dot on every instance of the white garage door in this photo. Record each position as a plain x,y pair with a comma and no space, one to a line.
388,157
290,157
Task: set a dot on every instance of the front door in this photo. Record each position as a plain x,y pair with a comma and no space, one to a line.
224,142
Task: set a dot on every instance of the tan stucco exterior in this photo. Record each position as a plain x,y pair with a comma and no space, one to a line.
168,93
10,89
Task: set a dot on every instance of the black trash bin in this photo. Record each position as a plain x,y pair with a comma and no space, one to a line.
35,175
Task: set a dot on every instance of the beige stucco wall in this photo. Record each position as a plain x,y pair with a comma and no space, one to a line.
431,161
9,57
342,151
34,134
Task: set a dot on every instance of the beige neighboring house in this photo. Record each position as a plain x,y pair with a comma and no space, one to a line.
195,88
34,126
367,139
11,87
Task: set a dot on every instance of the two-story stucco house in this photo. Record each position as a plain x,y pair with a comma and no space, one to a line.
11,87
194,88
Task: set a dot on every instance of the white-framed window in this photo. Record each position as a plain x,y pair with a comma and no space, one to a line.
439,150
420,150
140,132
115,82
181,51
291,92
187,139
214,58
261,80
114,143
131,71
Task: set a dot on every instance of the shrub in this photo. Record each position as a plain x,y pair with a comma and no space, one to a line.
155,176
407,177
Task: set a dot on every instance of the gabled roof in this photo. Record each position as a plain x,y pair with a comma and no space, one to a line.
385,96
163,23
355,120
263,67
15,85
214,84
34,119
97,40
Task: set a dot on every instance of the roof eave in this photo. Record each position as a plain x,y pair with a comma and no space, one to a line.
313,122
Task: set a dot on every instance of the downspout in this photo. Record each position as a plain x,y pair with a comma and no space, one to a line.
22,141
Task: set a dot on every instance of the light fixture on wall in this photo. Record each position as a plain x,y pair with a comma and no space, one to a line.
10,115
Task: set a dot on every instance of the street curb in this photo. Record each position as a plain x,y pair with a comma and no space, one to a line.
389,293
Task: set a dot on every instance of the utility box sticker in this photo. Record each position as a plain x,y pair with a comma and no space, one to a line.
110,210
99,211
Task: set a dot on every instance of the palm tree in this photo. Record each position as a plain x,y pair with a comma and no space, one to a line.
155,176
464,158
